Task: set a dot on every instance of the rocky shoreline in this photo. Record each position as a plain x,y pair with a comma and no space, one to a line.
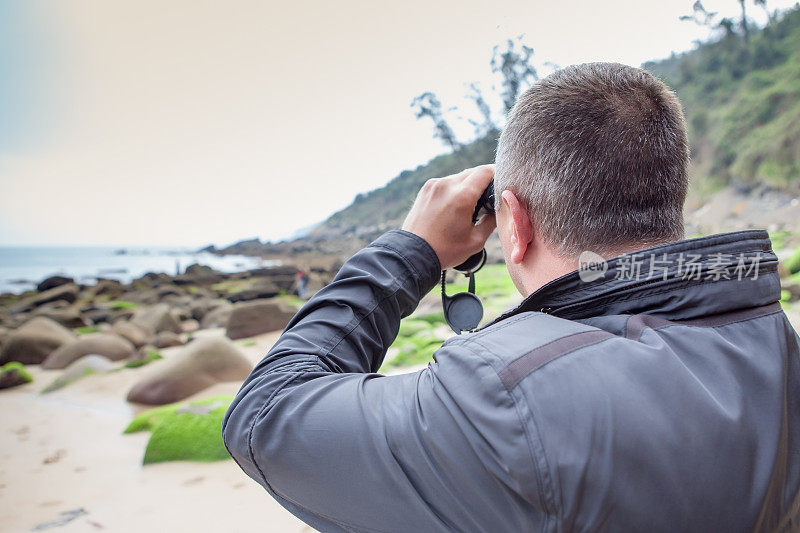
62,321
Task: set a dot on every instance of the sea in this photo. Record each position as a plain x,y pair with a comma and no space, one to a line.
23,267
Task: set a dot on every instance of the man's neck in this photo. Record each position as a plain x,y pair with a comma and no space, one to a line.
542,264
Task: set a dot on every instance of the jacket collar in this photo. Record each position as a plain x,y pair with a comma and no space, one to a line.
678,280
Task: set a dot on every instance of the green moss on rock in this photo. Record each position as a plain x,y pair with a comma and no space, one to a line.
792,262
186,431
121,304
13,374
151,356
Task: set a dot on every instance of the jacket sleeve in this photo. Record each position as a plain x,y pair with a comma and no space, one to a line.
344,448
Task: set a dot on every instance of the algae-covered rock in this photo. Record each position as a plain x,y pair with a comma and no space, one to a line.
189,431
144,357
83,367
13,374
202,363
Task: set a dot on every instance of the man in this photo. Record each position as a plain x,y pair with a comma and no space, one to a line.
662,394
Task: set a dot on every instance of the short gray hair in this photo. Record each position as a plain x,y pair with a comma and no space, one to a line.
599,154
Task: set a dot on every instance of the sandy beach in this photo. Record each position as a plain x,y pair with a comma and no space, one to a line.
67,467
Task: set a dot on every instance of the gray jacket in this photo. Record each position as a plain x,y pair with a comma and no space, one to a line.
666,401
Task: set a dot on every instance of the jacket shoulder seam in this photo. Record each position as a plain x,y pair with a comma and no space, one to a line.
549,505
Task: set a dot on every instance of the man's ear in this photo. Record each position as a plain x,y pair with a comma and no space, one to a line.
521,226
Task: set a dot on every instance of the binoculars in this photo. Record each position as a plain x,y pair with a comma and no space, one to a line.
464,311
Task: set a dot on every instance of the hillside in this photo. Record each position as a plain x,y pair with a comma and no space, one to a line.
373,212
742,104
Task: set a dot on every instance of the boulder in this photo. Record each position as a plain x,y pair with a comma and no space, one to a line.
217,317
52,282
166,339
4,333
201,307
69,317
202,363
187,326
157,318
13,374
34,341
198,275
98,315
111,287
85,366
137,335
261,290
68,293
259,316
181,313
108,345
792,288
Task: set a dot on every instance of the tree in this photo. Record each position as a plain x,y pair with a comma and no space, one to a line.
701,16
486,124
763,5
515,68
428,105
745,30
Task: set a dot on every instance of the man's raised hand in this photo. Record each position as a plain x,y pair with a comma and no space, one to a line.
442,215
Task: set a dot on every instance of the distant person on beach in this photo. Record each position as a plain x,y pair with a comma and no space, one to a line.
301,284
656,388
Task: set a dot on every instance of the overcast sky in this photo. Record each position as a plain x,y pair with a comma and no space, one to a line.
195,122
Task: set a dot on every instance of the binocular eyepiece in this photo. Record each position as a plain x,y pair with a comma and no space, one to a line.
485,206
464,311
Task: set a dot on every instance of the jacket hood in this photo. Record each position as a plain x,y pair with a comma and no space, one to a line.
678,280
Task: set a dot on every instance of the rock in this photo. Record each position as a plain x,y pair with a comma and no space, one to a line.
199,365
165,339
13,374
110,287
282,276
85,366
4,333
792,288
52,282
259,316
34,341
198,275
108,345
202,306
315,283
181,313
187,326
157,318
261,290
137,335
69,317
68,293
98,315
217,317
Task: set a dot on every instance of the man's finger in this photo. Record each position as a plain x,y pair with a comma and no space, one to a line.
480,177
486,226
